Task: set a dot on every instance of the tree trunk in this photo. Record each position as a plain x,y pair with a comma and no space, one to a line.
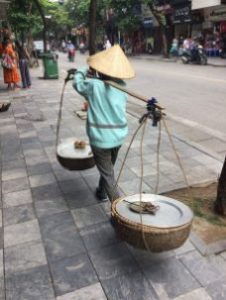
162,29
92,26
39,7
220,202
164,42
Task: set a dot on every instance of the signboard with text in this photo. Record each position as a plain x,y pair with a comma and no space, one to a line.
198,4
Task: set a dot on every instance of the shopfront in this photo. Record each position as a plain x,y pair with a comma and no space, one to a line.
181,18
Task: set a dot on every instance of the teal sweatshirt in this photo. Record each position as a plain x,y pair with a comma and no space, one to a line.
106,117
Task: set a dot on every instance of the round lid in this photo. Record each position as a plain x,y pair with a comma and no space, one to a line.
67,149
171,213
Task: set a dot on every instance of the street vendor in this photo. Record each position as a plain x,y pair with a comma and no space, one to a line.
106,117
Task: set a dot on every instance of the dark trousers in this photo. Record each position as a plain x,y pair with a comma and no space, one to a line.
25,74
105,160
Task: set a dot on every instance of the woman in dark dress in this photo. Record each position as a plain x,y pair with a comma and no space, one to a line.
23,64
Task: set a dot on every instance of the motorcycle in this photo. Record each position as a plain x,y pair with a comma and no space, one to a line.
196,56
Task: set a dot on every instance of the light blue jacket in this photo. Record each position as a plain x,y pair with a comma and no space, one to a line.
106,119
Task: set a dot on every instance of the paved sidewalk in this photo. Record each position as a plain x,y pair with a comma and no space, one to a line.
56,241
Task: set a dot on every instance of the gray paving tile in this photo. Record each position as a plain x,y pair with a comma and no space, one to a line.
92,181
39,168
1,237
46,192
64,175
14,169
18,214
50,207
133,186
176,280
129,287
72,273
17,198
2,288
217,290
198,265
88,216
146,258
60,236
199,294
223,254
185,248
214,144
43,179
1,263
91,292
99,235
81,199
32,284
113,261
15,185
106,206
72,186
21,233
24,256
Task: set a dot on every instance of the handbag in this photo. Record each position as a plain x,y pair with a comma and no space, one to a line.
7,61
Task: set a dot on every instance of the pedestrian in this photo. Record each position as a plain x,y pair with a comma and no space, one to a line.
174,47
71,51
107,45
24,58
9,63
106,117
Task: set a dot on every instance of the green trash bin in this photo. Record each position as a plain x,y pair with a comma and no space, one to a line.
50,66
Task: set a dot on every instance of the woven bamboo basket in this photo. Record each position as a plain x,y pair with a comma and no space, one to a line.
155,238
74,159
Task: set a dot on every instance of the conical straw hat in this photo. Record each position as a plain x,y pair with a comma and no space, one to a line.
112,62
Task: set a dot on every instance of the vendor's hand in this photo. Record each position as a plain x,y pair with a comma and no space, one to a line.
71,71
91,72
70,74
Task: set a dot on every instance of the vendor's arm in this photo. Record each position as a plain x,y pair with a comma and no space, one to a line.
80,83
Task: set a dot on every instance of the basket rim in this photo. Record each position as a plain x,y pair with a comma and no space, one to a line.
70,158
143,226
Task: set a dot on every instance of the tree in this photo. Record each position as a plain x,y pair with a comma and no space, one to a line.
92,26
161,19
220,202
42,14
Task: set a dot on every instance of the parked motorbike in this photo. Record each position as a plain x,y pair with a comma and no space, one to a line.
195,56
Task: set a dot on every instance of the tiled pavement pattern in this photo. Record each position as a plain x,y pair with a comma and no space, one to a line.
56,241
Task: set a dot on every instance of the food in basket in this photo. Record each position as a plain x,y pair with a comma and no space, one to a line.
80,144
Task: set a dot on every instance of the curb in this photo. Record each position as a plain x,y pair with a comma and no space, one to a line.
172,60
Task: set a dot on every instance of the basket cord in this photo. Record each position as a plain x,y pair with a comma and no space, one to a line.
143,124
60,113
190,193
125,157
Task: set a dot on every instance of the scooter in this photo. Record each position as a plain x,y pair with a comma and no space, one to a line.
196,56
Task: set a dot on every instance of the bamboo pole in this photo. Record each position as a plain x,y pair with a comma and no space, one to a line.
135,95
